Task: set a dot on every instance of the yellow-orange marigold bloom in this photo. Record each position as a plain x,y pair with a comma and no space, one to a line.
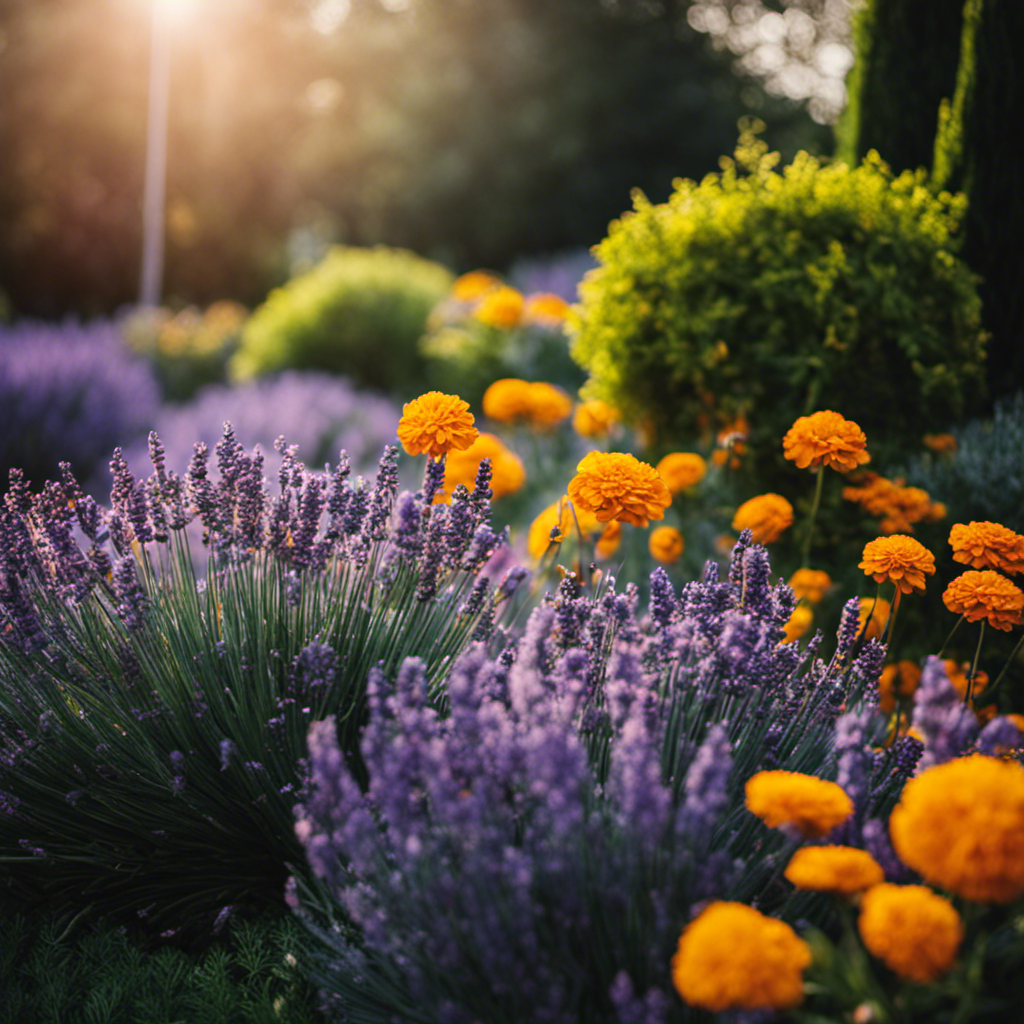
897,682
474,285
680,470
608,543
565,518
436,424
912,930
547,405
899,558
666,544
594,419
545,309
507,400
985,595
798,623
879,610
614,485
987,546
956,673
810,584
826,439
461,467
733,957
767,516
811,805
941,444
961,826
502,307
840,869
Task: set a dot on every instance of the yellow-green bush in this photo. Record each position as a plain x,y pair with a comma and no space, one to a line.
359,312
782,292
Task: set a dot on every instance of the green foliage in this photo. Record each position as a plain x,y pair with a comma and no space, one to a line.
56,970
783,292
359,312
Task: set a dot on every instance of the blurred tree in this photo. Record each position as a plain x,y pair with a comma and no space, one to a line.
942,88
472,131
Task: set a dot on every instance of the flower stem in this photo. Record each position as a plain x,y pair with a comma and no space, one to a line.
952,633
890,622
974,664
1009,662
806,553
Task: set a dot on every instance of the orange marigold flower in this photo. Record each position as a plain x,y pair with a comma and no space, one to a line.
461,467
878,609
594,419
611,537
907,505
810,584
561,518
436,424
547,405
545,309
733,957
961,826
811,805
826,439
898,681
502,308
912,930
680,470
987,546
956,673
941,444
507,400
614,485
899,558
839,869
798,624
666,544
767,515
985,595
474,285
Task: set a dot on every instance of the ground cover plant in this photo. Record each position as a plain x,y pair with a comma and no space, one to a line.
64,969
153,719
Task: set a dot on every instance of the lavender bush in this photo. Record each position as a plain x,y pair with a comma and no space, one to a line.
69,392
317,412
152,722
532,849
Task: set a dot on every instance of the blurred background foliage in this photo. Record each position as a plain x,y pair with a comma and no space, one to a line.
470,131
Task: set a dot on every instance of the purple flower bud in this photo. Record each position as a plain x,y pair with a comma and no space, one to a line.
131,598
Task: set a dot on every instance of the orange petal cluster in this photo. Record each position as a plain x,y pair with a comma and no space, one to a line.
898,558
826,439
811,805
615,485
594,419
879,609
511,400
680,470
839,869
501,308
733,957
810,584
985,595
545,309
666,544
767,516
912,930
461,467
898,681
987,546
435,424
961,826
562,519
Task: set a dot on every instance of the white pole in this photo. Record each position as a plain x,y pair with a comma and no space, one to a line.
153,200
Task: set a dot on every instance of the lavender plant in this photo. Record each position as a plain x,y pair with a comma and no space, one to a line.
152,723
70,389
532,850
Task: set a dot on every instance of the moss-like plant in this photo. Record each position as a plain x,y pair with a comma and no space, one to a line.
780,292
359,312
